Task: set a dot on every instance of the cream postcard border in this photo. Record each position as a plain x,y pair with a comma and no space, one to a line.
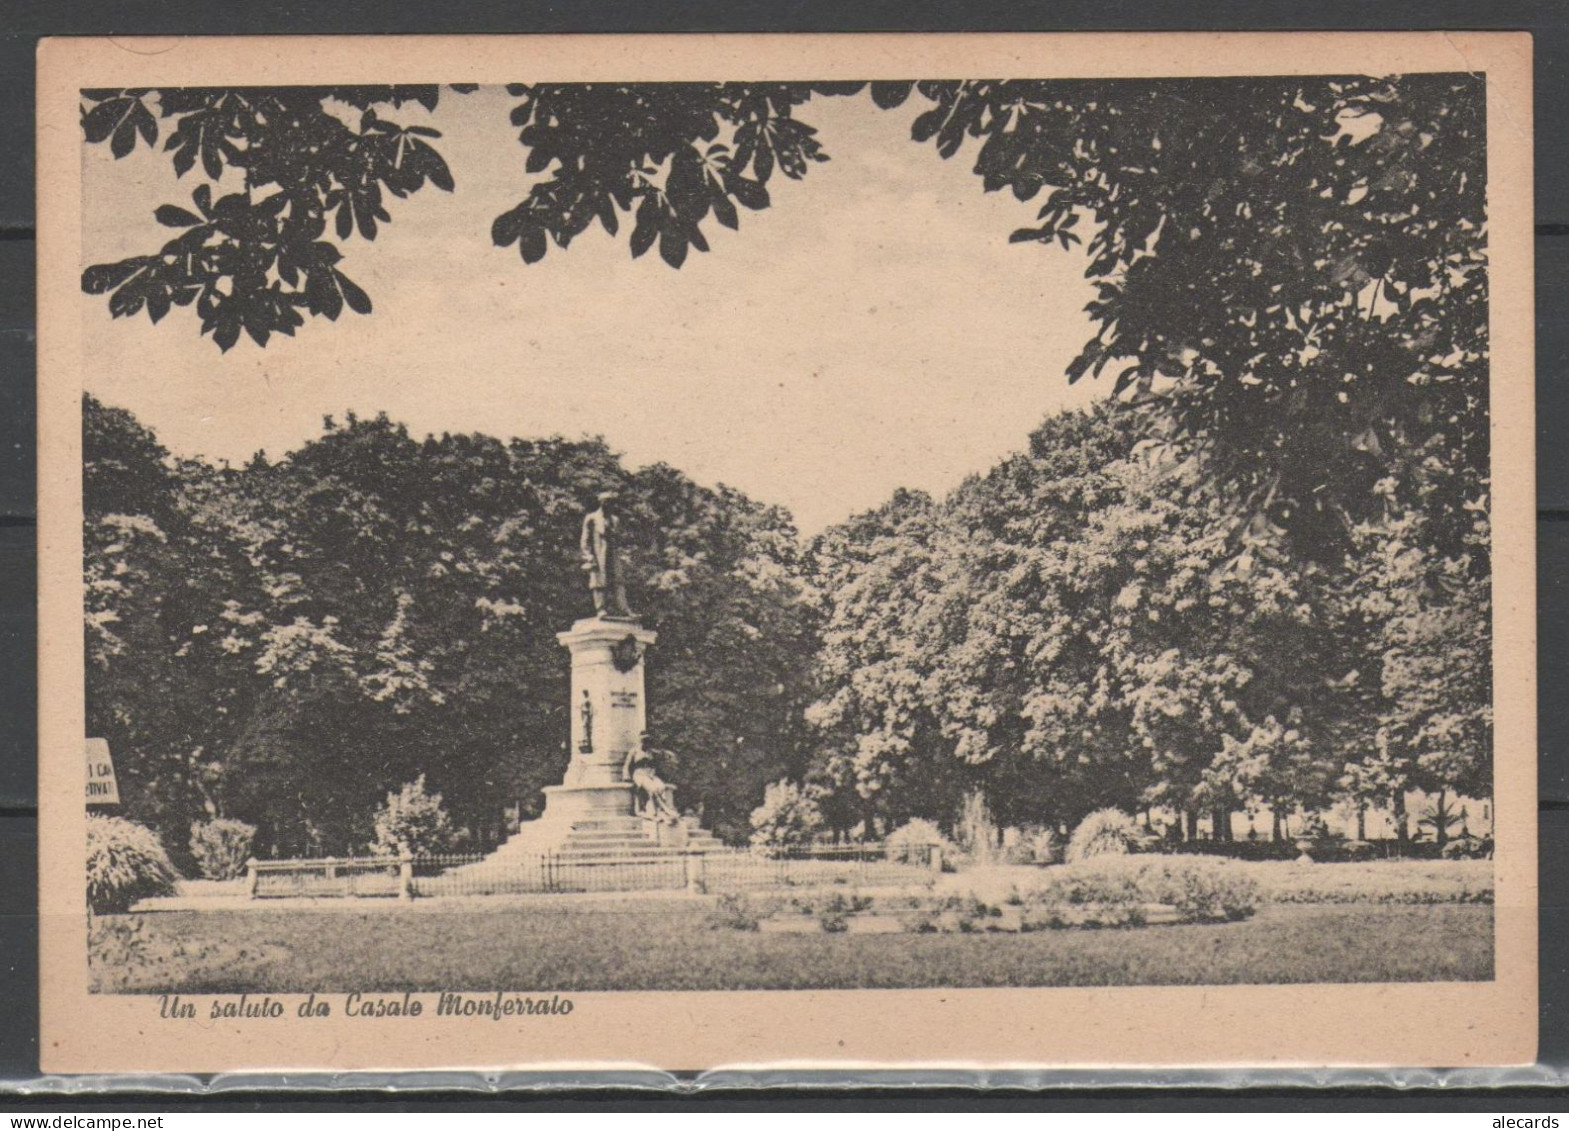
1434,1024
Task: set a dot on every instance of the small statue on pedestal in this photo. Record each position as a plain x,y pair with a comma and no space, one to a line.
586,711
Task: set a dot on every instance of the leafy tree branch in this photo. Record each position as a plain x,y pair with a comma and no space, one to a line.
1290,273
253,260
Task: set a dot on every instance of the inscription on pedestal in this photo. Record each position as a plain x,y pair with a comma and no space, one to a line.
624,699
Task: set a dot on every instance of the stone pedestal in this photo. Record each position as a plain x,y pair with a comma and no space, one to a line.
608,704
591,815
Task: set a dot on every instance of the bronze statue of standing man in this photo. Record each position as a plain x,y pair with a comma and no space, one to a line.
600,546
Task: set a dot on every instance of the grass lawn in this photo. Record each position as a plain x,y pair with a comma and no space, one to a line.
646,945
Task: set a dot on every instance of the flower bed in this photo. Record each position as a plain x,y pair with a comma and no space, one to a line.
1198,889
1111,892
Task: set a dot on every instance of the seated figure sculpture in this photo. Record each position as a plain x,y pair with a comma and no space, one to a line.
657,798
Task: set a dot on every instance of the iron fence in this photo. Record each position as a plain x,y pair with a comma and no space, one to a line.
408,877
331,876
450,875
857,865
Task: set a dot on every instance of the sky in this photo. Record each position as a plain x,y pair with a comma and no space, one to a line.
872,329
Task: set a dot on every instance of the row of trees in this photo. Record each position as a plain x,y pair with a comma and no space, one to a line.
1094,623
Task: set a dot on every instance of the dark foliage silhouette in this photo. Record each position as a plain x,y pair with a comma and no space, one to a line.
254,259
1291,273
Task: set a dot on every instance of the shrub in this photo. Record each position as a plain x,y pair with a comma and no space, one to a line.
1105,832
834,922
947,914
412,820
1045,846
736,912
733,831
908,843
836,903
1467,848
125,863
1034,846
1201,889
787,818
221,847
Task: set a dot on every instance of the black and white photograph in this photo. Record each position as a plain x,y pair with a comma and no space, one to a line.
548,540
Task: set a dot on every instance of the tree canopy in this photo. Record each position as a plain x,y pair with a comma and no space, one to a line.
1075,629
1290,271
289,642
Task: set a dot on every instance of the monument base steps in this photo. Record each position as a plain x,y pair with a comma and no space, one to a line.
600,839
591,817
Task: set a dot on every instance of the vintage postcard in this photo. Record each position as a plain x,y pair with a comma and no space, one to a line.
686,552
